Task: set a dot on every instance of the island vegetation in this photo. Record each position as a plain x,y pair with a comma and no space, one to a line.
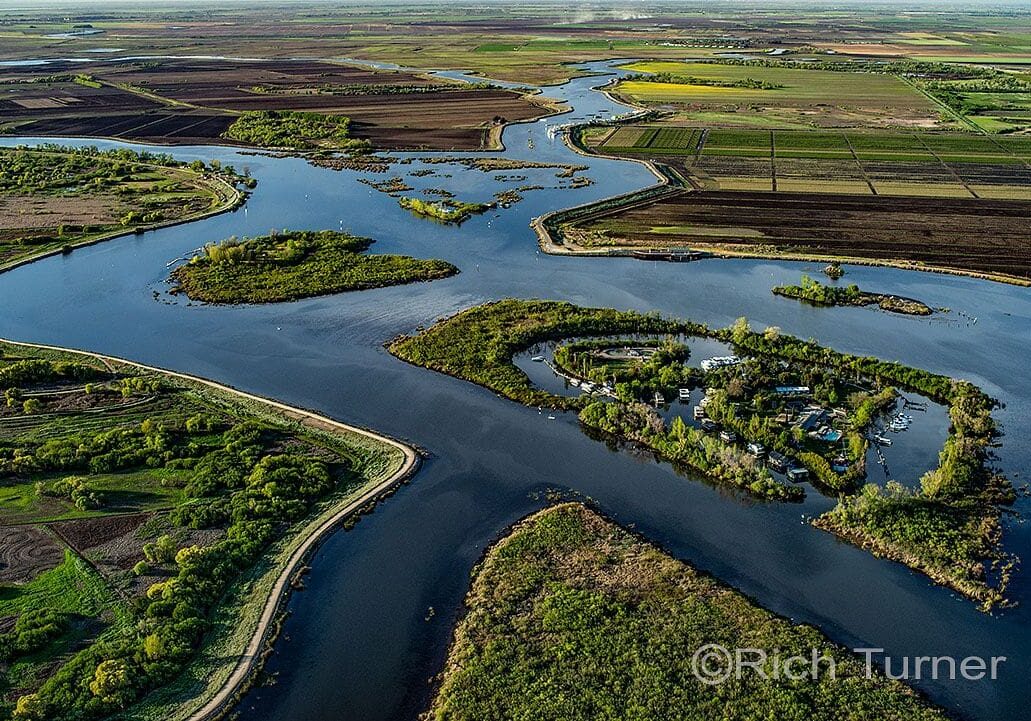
54,198
296,130
446,211
132,505
815,292
781,403
572,617
292,265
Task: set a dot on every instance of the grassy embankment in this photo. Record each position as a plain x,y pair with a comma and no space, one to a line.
815,292
948,529
293,265
572,617
54,199
138,576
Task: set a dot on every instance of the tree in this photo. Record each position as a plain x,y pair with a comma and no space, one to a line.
30,707
740,330
32,406
112,681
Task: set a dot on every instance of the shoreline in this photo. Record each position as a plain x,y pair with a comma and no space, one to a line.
250,660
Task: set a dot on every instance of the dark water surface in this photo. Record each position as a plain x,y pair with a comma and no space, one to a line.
358,645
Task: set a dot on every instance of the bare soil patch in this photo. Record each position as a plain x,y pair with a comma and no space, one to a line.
26,552
194,101
975,235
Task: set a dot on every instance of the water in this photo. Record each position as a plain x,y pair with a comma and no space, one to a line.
357,645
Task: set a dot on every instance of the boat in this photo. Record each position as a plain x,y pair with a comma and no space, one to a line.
658,399
882,440
575,382
538,359
685,394
699,413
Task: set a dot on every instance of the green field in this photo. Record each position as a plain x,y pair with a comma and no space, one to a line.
850,161
813,97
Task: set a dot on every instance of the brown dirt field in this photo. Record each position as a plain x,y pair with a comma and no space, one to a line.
204,96
990,236
26,552
85,534
40,211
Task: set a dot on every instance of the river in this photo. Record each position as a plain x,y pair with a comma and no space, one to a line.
361,642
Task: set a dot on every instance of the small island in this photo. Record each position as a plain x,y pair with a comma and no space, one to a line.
294,265
815,292
573,617
446,211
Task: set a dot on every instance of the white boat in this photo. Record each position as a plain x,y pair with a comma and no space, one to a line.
882,440
685,394
575,382
538,359
658,399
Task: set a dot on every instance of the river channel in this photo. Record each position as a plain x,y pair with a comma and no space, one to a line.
362,641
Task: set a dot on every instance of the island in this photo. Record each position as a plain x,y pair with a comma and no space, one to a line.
447,211
572,617
293,265
815,292
54,198
776,411
152,522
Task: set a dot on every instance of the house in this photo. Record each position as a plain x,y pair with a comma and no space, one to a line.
777,461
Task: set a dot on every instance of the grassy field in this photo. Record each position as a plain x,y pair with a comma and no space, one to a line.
572,617
934,164
814,97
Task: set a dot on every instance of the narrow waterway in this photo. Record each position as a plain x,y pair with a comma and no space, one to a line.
361,642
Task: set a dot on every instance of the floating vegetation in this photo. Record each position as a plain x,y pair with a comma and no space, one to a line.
392,185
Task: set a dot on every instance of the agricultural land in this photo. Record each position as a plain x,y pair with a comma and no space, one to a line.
135,508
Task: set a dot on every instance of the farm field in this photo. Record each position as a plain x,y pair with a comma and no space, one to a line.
814,97
978,236
115,483
195,101
880,163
